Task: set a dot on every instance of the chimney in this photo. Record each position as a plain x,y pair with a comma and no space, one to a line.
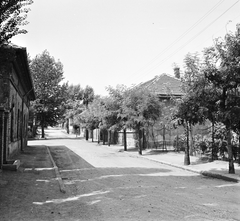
176,72
238,29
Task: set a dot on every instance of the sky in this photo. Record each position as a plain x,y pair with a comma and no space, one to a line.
109,42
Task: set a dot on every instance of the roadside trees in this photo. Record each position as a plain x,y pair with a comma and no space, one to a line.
13,14
50,93
113,106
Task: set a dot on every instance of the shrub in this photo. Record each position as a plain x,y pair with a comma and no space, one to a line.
179,142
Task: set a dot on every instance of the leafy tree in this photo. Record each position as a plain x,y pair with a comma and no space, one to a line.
139,107
73,105
191,74
75,92
111,119
190,112
50,94
92,115
192,70
223,71
13,14
88,95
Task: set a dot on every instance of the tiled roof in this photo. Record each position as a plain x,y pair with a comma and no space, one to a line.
164,85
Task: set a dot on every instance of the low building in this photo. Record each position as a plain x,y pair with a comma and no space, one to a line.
16,92
162,134
165,86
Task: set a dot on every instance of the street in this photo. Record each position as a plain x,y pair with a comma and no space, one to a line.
105,184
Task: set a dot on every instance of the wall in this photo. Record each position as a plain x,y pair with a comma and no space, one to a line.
16,109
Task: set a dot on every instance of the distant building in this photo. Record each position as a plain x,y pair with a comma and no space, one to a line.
16,92
164,86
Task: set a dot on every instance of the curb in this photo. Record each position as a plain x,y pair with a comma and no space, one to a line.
219,176
204,173
59,178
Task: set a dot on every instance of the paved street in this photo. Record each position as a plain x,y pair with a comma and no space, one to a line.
102,183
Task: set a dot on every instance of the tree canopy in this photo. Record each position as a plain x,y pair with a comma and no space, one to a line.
50,93
13,14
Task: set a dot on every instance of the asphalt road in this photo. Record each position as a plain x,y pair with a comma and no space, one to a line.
104,184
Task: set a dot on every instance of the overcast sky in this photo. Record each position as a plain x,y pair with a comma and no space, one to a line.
110,42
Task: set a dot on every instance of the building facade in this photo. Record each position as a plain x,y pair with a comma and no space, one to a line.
16,92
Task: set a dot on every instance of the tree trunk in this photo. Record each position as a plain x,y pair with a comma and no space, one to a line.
143,139
191,140
125,139
67,126
230,152
109,137
99,131
213,142
139,140
86,134
42,126
239,150
186,156
104,137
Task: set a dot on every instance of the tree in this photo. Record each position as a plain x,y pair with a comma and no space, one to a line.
139,107
13,14
222,69
73,105
50,94
113,106
92,115
88,95
191,74
189,112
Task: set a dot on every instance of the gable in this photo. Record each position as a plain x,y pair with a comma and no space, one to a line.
164,85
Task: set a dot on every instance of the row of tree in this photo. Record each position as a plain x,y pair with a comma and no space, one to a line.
212,89
135,108
56,101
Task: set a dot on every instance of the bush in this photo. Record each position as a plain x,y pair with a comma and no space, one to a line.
180,142
201,143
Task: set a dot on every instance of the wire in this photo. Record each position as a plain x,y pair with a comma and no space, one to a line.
180,48
183,35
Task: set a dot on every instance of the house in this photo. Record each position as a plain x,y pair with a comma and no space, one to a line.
16,92
161,134
165,86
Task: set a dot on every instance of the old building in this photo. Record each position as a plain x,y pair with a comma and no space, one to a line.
165,86
16,92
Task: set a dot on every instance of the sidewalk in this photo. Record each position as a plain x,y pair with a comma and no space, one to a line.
215,169
34,181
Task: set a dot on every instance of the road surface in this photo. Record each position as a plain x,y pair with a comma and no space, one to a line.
104,184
